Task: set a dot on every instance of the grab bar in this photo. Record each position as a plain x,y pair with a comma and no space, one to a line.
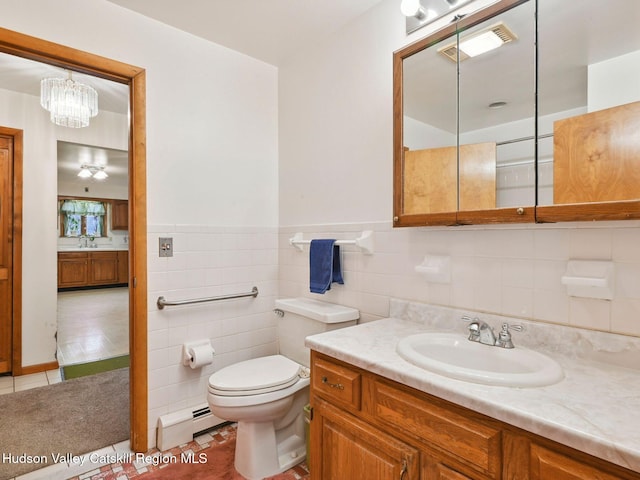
162,302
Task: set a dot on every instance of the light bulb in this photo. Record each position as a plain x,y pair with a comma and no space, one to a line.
100,175
410,8
84,173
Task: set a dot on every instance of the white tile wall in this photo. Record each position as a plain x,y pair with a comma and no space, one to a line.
509,270
207,261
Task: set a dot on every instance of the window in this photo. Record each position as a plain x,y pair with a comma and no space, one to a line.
82,217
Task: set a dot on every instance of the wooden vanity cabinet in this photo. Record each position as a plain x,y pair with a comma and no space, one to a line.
365,426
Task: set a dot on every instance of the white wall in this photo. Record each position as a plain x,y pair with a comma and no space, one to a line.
212,182
335,181
614,82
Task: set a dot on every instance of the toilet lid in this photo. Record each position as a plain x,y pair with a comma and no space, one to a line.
251,377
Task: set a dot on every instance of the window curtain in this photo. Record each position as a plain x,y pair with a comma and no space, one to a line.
72,225
74,210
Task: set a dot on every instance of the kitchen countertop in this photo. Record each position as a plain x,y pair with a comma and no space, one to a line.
593,409
94,249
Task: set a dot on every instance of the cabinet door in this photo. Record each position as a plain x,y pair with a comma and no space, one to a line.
120,215
73,270
123,266
103,268
346,448
434,470
549,465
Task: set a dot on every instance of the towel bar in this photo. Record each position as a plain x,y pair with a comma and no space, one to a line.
364,242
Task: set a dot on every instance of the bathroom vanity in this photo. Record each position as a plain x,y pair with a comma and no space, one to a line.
377,416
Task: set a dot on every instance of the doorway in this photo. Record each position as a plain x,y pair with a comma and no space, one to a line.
50,53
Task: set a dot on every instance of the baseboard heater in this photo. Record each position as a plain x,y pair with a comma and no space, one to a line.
180,427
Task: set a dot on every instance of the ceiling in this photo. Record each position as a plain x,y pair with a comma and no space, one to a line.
271,31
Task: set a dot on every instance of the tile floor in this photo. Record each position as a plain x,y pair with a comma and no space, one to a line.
92,325
125,469
24,382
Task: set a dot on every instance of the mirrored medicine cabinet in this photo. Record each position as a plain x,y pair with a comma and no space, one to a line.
542,127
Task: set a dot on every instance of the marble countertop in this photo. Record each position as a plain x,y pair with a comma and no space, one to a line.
593,409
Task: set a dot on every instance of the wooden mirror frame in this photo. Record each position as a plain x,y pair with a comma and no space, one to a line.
614,210
32,48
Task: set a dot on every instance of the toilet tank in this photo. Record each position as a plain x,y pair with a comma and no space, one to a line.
307,316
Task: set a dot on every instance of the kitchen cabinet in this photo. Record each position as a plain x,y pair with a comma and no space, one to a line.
119,215
73,269
123,266
366,426
88,269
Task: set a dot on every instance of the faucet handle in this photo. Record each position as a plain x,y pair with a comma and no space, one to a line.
507,326
504,337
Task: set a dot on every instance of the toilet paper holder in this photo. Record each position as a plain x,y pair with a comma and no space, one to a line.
186,357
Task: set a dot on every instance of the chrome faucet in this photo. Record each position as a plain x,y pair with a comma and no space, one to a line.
481,332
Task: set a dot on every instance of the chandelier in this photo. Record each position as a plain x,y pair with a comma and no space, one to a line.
70,103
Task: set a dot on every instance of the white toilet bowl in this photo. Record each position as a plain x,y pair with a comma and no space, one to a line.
266,396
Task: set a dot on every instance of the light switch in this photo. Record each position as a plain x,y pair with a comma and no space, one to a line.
166,247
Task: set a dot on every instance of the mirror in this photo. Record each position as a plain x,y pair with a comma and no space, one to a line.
474,136
589,88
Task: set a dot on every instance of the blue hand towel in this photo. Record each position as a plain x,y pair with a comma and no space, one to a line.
324,265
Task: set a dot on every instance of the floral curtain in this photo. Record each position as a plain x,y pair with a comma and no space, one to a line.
74,210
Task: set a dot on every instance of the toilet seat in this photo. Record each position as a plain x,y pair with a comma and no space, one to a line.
255,376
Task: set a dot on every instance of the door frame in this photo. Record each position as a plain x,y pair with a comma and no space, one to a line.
33,48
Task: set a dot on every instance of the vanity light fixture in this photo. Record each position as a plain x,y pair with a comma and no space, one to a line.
70,103
95,171
412,8
420,13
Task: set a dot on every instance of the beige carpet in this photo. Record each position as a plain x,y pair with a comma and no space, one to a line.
73,417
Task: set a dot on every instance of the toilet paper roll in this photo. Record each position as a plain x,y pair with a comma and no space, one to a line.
200,355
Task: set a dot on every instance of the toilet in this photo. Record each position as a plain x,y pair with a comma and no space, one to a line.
266,395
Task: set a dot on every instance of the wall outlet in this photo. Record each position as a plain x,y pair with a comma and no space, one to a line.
165,248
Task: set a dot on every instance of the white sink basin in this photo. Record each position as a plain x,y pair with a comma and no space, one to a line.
452,355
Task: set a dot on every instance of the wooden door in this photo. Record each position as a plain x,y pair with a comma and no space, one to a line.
347,448
6,252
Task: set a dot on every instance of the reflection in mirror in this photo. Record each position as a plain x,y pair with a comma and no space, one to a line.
430,125
589,87
497,112
468,118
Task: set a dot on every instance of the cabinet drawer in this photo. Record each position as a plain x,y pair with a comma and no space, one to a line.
337,382
72,255
470,441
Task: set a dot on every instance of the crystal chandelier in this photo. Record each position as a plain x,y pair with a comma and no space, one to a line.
70,103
